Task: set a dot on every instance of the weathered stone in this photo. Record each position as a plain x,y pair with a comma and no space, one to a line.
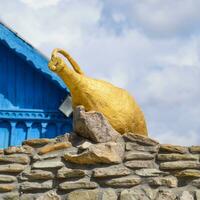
70,173
166,195
135,155
189,173
75,139
197,194
55,154
194,149
10,196
143,193
176,156
130,146
29,186
196,183
84,145
173,148
37,175
53,147
7,187
80,184
127,181
19,149
180,165
15,158
53,163
168,181
93,125
186,196
15,168
38,142
109,153
84,195
51,195
111,171
140,139
1,151
137,164
7,179
109,194
150,172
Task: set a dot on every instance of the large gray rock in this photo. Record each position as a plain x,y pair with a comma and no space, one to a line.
108,153
93,125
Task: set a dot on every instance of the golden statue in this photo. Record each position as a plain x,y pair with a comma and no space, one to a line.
117,105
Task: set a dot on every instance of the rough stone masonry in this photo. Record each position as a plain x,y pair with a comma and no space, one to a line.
96,163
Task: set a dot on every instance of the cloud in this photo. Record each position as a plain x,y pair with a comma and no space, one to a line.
147,47
36,4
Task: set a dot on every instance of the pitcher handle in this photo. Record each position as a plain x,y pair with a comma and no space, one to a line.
68,57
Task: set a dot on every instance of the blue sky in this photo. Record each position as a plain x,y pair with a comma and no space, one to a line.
149,47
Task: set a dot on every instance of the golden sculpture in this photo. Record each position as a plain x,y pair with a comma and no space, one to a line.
117,105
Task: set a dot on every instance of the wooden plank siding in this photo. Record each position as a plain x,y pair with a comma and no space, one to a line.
31,99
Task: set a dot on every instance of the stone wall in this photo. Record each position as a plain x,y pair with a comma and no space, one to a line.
96,163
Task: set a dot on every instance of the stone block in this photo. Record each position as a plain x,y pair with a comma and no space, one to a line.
53,147
15,158
135,155
80,184
137,164
70,173
168,148
51,163
128,181
176,165
167,181
32,186
111,171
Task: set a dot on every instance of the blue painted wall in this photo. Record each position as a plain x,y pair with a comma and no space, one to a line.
22,86
29,101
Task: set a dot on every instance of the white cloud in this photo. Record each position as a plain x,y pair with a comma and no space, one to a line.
36,4
121,42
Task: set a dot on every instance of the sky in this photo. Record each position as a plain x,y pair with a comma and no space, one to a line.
149,47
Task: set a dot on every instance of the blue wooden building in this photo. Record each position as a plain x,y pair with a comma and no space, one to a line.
30,94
